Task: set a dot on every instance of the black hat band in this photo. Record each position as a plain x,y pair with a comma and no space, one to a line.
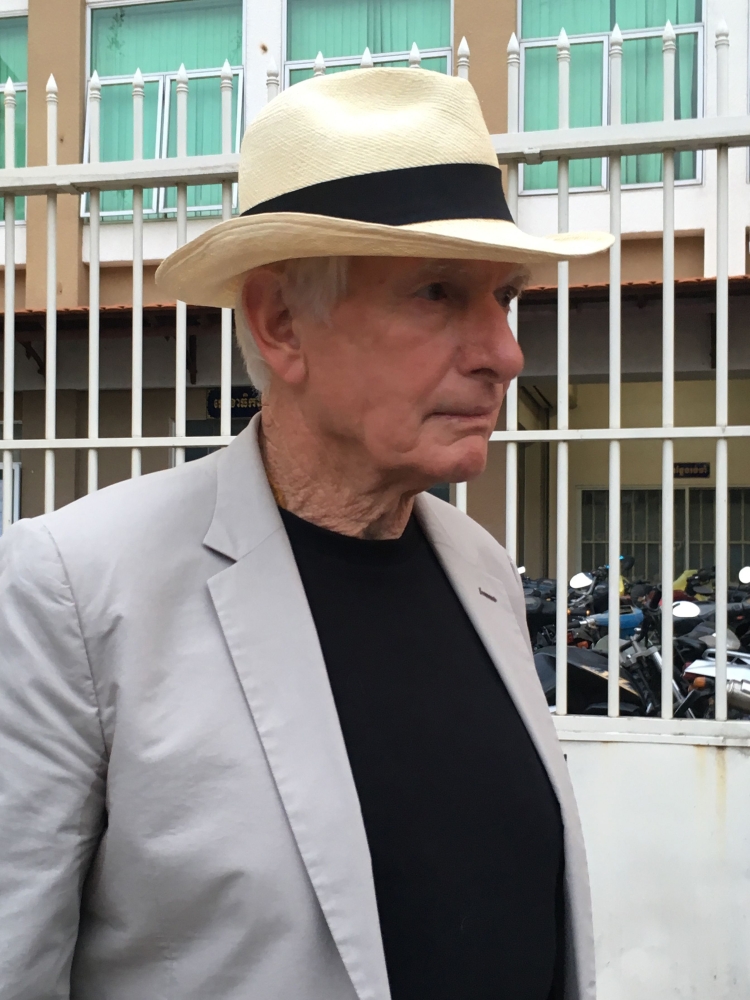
403,196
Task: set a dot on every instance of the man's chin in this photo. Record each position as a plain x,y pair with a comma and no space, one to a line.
460,463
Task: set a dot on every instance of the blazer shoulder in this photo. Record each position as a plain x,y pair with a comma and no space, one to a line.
146,513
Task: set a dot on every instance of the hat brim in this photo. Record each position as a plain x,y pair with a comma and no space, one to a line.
208,271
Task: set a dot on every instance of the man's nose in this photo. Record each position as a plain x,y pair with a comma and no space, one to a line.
490,349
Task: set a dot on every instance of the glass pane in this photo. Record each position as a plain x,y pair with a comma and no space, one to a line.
203,135
346,27
20,142
735,515
14,33
438,64
601,519
642,100
679,533
545,18
540,107
655,13
158,37
117,136
587,516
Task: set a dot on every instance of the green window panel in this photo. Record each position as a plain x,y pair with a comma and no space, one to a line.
540,107
14,33
203,136
643,96
546,18
345,27
156,38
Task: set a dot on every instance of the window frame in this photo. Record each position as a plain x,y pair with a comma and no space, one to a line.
158,211
685,541
696,28
354,60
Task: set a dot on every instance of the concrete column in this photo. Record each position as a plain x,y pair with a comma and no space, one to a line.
57,45
487,28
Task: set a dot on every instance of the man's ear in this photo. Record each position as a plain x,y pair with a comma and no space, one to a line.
271,324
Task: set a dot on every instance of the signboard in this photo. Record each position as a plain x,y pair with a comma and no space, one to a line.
692,470
245,402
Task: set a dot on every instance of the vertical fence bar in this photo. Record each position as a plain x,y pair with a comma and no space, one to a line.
181,307
136,392
462,62
669,46
615,378
9,331
226,213
272,79
511,400
563,283
50,393
95,100
462,498
722,371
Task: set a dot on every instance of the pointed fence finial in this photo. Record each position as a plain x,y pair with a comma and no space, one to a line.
563,45
226,75
366,60
138,92
722,33
514,49
615,41
51,122
722,67
415,57
95,87
272,79
10,90
668,39
615,76
138,85
319,66
182,79
462,69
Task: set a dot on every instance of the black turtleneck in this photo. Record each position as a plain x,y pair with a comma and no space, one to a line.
463,826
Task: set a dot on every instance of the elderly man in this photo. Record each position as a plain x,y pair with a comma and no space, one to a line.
269,723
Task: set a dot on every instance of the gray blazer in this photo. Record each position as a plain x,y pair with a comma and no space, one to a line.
178,820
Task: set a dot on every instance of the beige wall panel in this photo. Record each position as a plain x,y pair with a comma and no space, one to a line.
641,261
57,45
487,25
20,288
117,287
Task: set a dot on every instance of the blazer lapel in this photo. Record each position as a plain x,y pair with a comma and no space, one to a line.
486,601
266,620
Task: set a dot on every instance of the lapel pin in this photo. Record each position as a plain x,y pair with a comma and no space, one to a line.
488,596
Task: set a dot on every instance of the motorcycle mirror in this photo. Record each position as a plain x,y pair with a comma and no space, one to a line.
685,609
521,570
745,574
581,581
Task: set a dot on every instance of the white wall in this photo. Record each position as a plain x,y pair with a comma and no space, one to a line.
666,817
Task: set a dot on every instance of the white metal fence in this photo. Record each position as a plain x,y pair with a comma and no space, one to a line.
612,141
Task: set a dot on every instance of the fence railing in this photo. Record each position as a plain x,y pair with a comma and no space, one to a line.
612,141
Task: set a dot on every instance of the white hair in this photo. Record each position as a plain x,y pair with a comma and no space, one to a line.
311,285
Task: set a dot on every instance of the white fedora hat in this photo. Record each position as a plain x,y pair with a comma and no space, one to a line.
369,162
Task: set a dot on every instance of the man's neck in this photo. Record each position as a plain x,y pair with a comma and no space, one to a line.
316,481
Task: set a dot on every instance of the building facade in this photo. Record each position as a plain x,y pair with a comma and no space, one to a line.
73,39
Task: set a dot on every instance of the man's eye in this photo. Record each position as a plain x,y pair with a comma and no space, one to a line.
434,292
505,296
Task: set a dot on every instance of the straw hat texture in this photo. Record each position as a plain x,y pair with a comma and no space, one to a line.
369,162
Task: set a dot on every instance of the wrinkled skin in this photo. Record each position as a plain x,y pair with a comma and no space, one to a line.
399,389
